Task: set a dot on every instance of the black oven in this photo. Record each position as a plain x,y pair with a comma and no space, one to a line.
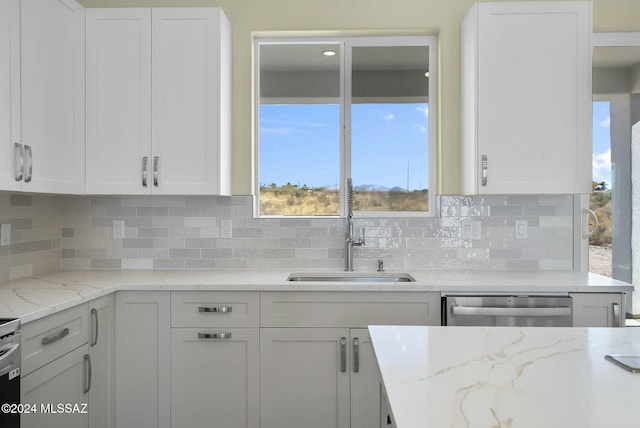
9,373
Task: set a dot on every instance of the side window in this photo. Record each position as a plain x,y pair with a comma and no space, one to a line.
327,110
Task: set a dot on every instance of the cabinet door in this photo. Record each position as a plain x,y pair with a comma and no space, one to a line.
304,377
187,91
101,351
526,71
118,100
214,381
63,381
143,359
598,309
365,381
9,93
53,63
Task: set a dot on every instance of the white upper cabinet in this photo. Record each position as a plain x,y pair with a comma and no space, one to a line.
118,99
10,95
52,91
42,96
158,101
526,98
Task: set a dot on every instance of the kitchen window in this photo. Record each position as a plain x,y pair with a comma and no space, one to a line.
333,108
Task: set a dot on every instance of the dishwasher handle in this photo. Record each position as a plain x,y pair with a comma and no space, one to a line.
492,311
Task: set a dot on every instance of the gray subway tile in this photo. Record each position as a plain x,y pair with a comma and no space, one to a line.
216,253
199,263
153,211
68,232
153,232
168,263
106,264
137,243
184,253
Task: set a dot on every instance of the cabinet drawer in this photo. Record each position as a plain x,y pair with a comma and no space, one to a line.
48,338
348,309
215,309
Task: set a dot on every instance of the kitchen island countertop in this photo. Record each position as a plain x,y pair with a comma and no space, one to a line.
530,377
34,297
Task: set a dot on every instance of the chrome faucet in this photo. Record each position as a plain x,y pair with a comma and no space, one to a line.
350,240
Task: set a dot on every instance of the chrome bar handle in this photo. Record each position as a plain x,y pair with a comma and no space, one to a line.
87,373
485,171
50,339
156,160
17,148
145,160
214,335
356,355
343,354
559,311
216,309
617,322
29,156
94,320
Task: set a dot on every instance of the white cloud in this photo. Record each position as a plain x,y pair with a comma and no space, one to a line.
424,110
602,166
606,123
389,117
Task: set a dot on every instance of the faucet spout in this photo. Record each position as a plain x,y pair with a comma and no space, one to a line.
350,240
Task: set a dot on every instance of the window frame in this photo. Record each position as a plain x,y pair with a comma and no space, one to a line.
346,45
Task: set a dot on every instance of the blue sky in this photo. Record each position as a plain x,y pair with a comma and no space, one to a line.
300,144
602,142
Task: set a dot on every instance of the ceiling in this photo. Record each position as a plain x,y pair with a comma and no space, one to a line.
614,56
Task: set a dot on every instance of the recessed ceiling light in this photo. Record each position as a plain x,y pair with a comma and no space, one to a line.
426,74
328,53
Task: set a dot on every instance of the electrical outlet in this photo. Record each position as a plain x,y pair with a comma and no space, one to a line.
225,228
522,229
118,229
5,234
472,229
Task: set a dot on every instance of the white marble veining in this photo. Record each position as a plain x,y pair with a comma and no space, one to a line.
34,297
482,377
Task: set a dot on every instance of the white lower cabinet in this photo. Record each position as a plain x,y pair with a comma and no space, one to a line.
215,359
61,382
317,366
102,354
318,377
598,309
142,359
304,379
56,370
214,377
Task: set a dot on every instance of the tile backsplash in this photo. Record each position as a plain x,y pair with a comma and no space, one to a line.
183,232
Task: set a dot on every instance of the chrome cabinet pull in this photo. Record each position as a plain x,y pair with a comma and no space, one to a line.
559,311
343,354
17,149
485,168
50,339
29,157
214,335
216,309
145,160
356,355
87,374
156,160
94,318
616,315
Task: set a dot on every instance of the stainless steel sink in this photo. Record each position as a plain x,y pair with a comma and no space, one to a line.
351,277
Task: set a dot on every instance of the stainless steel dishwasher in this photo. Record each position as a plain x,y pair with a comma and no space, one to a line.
506,310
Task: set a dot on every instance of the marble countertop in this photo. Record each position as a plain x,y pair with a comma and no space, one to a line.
514,377
38,296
